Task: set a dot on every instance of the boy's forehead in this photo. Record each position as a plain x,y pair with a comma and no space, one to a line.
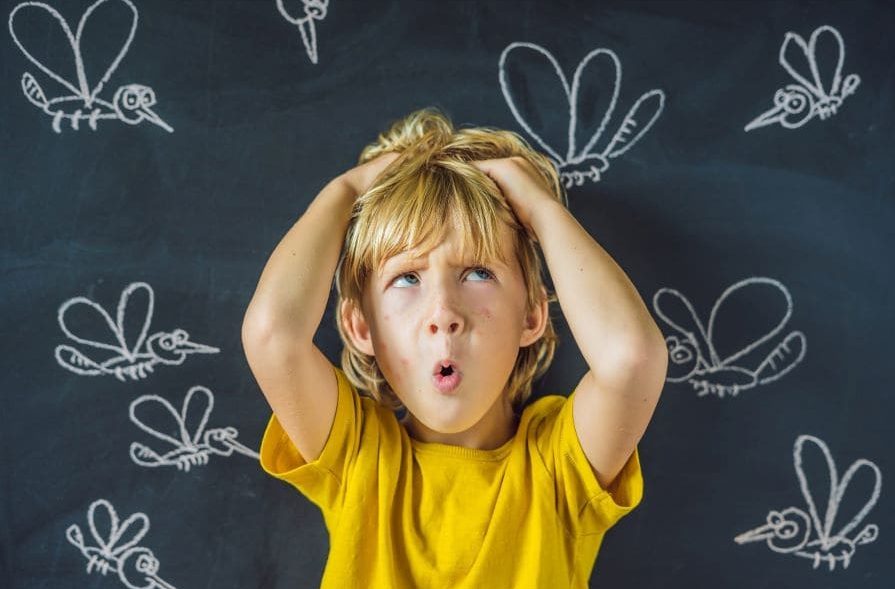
416,256
461,253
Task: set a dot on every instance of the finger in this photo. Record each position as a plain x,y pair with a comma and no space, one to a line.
484,165
489,169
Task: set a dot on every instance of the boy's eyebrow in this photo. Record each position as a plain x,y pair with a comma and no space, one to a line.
402,260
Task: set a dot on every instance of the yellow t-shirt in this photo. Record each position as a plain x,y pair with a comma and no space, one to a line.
405,513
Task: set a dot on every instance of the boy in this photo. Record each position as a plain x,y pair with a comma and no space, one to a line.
444,315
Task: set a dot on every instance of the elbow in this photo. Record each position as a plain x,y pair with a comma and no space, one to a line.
258,325
652,353
656,367
650,350
649,362
252,335
264,328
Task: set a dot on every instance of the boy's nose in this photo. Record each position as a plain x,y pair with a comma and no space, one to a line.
446,320
452,328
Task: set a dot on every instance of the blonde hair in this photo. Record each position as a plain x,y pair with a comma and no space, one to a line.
411,205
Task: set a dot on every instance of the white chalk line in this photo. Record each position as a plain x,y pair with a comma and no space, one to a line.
131,103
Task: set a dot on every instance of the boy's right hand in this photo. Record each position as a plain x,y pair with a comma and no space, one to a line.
361,177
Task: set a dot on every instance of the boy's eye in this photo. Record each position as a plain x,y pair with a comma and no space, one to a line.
401,276
480,271
487,272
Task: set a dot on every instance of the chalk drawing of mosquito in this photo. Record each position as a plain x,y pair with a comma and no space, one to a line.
191,447
116,549
131,103
312,10
796,104
793,531
135,354
577,164
694,352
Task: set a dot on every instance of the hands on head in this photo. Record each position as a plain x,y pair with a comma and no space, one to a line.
515,177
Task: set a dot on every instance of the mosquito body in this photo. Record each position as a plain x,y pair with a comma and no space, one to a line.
131,104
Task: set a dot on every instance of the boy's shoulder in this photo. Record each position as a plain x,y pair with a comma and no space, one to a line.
544,404
541,409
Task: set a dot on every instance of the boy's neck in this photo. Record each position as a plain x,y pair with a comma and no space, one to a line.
495,429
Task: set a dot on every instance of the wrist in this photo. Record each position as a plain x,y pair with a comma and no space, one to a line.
544,211
344,182
344,186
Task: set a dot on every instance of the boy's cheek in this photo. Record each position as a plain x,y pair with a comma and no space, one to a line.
485,313
395,301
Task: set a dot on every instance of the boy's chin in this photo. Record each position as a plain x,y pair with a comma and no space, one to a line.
434,422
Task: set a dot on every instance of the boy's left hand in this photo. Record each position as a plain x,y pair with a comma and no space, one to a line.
520,185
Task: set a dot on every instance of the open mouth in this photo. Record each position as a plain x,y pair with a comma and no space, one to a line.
446,376
445,367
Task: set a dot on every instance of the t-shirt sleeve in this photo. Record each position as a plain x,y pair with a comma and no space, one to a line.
583,505
321,480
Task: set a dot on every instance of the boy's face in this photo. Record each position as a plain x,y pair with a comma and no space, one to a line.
420,311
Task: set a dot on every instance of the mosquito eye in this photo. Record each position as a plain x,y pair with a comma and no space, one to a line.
678,350
315,10
795,102
148,98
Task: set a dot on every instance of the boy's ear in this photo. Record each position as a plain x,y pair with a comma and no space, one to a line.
356,327
535,321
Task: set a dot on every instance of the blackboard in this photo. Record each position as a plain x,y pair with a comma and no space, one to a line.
219,125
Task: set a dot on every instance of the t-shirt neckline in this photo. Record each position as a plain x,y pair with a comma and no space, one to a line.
442,449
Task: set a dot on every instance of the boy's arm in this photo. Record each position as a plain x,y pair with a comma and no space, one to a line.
280,322
287,307
620,342
622,345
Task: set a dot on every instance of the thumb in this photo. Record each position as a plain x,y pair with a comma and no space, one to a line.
484,165
488,167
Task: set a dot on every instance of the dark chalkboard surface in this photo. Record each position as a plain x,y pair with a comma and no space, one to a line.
740,171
